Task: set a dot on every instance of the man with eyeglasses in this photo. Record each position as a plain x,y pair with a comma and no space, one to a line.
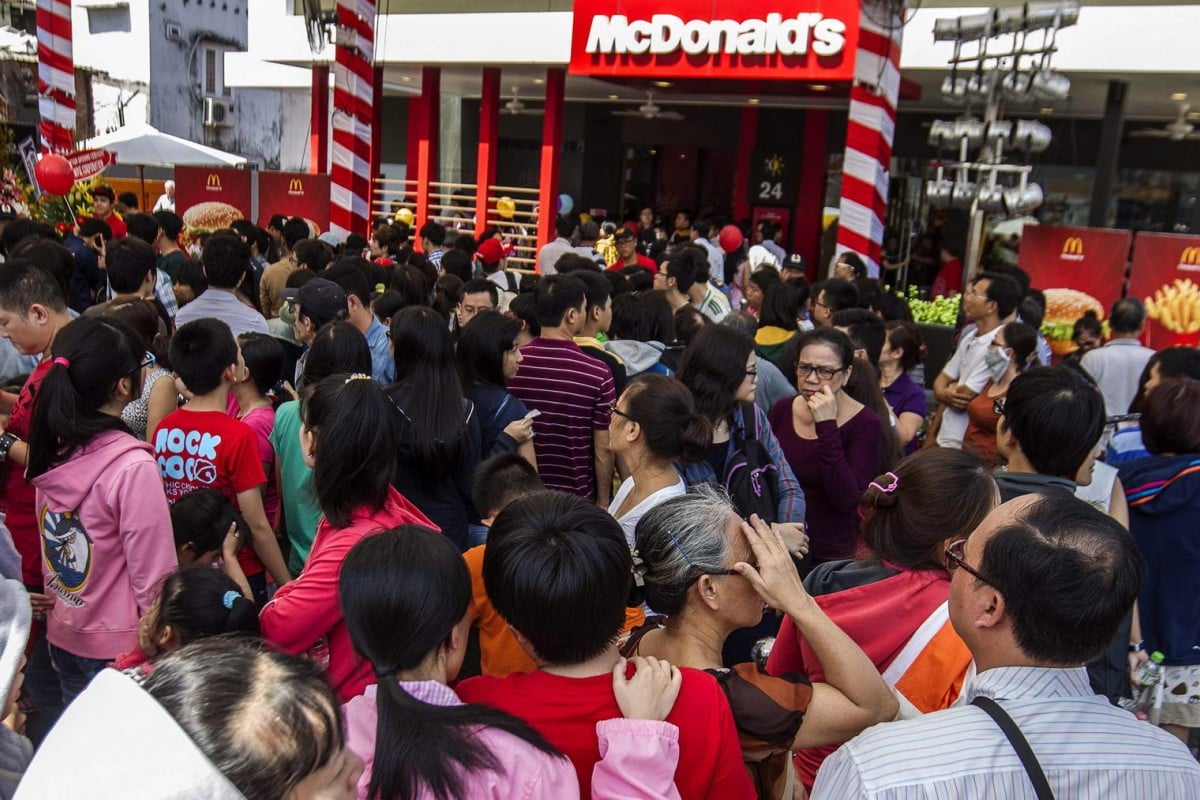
1038,588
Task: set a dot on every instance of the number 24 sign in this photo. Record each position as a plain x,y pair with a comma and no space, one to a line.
773,178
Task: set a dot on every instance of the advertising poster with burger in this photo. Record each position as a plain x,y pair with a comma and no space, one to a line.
295,194
1166,277
1079,269
210,198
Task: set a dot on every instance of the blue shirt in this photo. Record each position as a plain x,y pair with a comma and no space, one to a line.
383,366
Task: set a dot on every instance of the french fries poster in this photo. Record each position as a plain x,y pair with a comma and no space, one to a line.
1166,277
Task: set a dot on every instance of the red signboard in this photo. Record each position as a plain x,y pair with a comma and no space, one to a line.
783,39
195,185
294,194
1166,276
1078,269
90,163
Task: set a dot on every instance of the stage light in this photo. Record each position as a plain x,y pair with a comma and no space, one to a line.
1031,135
1049,85
1022,199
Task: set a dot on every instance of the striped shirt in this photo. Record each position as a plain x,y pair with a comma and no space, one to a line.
573,392
1087,748
714,305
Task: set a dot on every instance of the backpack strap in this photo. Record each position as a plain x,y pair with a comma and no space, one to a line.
1012,731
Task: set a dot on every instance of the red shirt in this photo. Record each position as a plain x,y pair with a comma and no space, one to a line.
566,710
18,500
642,261
116,225
206,449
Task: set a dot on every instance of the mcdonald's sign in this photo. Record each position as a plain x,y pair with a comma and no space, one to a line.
295,187
212,183
1189,259
295,194
222,184
1072,249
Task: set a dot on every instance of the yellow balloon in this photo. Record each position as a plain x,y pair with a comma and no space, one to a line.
405,215
505,207
585,217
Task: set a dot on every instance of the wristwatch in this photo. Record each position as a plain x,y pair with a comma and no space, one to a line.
1133,647
7,440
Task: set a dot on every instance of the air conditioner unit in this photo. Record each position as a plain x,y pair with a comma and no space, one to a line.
218,113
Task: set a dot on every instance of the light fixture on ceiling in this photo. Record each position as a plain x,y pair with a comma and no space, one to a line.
614,97
406,79
1178,97
753,101
819,87
1046,110
663,84
538,81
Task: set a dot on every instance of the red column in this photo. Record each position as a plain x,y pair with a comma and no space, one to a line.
318,128
428,128
556,80
489,125
810,196
376,139
746,139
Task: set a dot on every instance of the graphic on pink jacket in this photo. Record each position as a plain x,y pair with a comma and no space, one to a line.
68,552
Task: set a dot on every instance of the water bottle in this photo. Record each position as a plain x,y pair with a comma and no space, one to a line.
1147,678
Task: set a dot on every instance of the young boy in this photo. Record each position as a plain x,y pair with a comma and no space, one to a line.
560,572
200,445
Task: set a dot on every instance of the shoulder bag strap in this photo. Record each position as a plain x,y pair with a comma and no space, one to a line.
1024,752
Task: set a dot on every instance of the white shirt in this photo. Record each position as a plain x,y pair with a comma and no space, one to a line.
549,254
1117,367
714,304
629,520
164,203
1088,748
968,368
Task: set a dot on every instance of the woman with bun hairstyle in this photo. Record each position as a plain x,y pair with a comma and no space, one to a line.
654,423
100,505
932,501
1012,351
405,593
1087,335
353,459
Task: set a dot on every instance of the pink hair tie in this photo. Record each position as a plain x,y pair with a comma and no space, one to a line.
891,487
62,362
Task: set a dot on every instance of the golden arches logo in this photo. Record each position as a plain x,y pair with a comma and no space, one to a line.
295,186
1190,256
1073,246
213,181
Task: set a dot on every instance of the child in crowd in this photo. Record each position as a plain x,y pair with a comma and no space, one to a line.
101,509
209,529
200,446
353,457
254,404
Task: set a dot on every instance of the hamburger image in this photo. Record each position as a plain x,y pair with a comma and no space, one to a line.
1063,307
204,218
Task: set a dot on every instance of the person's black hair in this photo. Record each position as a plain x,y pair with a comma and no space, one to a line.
434,232
54,258
840,294
265,361
18,230
462,241
480,286
865,329
170,223
1031,312
1004,291
482,348
129,200
1069,574
565,226
905,336
226,260
243,228
683,266
294,231
458,264
589,231
769,229
555,296
142,227
142,315
1056,416
1024,282
666,412
355,456
386,304
1170,424
1128,315
356,242
413,574
298,277
863,385
265,719
199,602
313,254
201,351
524,308
571,263
353,275
661,317
596,288
192,274
337,348
87,228
1088,323
890,307
128,261
201,518
24,284
704,225
558,569
1174,362
853,261
409,281
638,279
781,306
427,391
91,355
829,337
713,367
502,479
688,322
1039,297
445,295
262,240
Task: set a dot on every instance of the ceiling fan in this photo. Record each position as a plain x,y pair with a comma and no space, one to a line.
650,110
515,106
1177,130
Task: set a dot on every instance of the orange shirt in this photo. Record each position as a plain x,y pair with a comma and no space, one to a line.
499,652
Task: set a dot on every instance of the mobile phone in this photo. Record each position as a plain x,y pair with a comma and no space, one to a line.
533,414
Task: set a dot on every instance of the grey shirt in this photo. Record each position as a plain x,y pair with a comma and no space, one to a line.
1117,367
223,305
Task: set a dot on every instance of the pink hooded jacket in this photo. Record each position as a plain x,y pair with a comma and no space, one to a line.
106,543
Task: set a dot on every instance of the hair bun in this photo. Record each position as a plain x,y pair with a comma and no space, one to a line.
880,499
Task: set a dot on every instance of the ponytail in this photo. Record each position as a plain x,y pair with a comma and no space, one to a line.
90,356
200,602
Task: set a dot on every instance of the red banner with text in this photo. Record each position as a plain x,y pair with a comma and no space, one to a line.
211,198
1079,269
294,194
1166,277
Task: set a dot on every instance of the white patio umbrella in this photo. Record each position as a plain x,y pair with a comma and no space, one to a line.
146,146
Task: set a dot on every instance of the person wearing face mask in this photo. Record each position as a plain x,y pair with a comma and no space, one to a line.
1012,351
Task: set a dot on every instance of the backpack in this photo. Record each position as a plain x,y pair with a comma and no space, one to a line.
751,476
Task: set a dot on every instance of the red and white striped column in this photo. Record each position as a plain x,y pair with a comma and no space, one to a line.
353,109
872,125
56,76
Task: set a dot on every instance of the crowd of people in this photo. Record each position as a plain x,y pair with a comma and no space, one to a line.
661,518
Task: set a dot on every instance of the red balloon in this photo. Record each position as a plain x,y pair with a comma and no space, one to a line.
730,238
54,174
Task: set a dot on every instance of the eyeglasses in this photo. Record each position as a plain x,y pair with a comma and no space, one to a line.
819,304
148,360
998,406
612,409
824,373
955,558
